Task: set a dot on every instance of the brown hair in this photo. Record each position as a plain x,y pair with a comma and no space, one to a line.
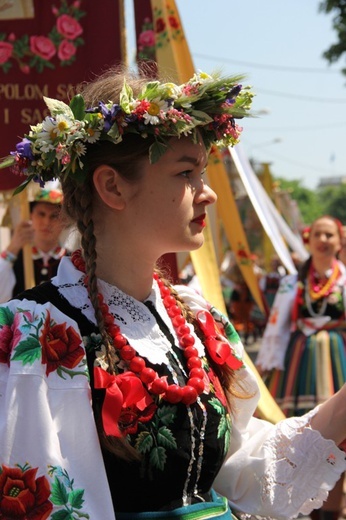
126,158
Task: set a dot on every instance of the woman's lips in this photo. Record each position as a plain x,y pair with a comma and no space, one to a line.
200,220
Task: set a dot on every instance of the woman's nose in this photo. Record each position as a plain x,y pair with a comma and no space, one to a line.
207,195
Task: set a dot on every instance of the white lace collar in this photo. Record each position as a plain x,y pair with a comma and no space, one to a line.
136,322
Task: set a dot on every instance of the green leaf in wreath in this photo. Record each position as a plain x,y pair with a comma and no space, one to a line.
59,495
165,438
28,351
158,457
144,442
76,498
156,151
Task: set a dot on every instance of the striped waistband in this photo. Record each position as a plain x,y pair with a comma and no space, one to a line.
217,509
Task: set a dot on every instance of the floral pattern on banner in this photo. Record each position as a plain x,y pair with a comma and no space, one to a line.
28,338
23,495
167,27
37,52
146,42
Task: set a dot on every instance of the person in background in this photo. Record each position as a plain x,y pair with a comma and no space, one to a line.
121,396
43,231
312,366
342,252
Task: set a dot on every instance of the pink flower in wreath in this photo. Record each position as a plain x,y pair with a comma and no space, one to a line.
6,50
68,27
147,39
42,46
66,50
10,336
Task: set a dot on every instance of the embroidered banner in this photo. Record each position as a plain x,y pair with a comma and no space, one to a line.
45,49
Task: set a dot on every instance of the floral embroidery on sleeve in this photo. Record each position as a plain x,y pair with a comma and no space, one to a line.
23,496
28,338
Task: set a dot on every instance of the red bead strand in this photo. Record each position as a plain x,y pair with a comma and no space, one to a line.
173,393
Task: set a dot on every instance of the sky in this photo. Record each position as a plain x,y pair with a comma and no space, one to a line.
300,100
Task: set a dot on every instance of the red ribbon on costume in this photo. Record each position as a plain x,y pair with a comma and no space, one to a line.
220,351
122,391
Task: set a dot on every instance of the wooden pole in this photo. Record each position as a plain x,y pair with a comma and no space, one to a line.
122,28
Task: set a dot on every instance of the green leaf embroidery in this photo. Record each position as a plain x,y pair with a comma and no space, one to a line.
158,457
165,438
166,414
28,351
6,316
76,498
59,495
216,404
144,442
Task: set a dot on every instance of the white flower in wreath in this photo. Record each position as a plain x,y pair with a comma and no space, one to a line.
156,112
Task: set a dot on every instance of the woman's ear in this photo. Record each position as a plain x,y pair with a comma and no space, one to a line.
108,184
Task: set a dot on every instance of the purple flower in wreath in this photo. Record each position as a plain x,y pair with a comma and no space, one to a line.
23,149
109,115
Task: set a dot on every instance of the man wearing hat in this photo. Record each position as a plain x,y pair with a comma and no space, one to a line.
43,231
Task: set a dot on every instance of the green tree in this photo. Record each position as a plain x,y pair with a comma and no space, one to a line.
309,203
338,8
333,199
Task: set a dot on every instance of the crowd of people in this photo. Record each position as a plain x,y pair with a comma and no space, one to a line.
121,395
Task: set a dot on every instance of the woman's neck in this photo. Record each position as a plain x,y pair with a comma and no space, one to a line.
130,275
321,266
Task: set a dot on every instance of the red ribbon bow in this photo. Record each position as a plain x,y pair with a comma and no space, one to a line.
219,350
122,391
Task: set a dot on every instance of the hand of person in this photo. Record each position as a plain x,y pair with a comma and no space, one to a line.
23,234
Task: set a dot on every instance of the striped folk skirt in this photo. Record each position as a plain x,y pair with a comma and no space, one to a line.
315,368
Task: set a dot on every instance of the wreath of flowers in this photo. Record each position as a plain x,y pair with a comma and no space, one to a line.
37,52
56,147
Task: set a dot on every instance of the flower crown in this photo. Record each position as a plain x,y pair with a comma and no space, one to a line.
56,147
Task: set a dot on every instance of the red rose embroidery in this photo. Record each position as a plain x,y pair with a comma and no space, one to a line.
68,27
146,39
60,346
42,46
131,416
10,336
6,50
173,22
23,496
66,50
160,25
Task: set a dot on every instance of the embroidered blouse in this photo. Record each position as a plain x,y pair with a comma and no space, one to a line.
50,456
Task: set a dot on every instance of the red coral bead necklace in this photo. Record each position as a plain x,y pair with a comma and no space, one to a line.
173,393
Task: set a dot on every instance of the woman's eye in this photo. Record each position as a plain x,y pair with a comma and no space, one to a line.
186,173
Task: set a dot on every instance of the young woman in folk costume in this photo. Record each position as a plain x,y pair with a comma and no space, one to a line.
313,366
122,396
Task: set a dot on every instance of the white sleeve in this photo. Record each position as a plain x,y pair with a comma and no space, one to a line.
7,280
44,398
277,471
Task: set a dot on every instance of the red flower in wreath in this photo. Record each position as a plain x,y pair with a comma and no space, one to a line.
23,496
61,346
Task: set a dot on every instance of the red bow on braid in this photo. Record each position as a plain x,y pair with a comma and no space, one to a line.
220,350
122,391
